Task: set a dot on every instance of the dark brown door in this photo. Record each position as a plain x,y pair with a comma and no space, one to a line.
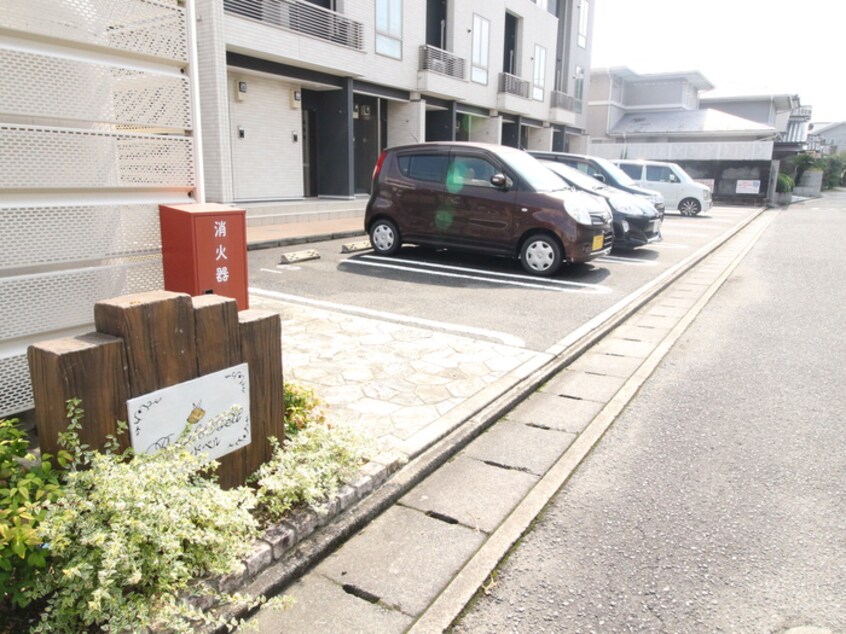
483,215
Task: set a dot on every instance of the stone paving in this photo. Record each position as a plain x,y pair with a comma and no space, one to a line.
389,381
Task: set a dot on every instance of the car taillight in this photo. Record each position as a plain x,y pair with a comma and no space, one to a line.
378,167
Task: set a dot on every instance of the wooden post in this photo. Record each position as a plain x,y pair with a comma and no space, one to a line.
218,347
261,335
90,367
217,335
157,328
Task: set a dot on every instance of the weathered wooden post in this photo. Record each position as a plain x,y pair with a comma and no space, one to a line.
158,361
90,367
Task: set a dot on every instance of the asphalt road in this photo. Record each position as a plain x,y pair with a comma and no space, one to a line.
716,501
484,297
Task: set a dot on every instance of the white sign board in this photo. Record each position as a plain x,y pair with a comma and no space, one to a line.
748,187
219,404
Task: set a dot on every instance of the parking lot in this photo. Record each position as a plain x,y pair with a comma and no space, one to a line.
480,297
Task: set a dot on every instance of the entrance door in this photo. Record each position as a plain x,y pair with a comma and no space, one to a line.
366,129
309,153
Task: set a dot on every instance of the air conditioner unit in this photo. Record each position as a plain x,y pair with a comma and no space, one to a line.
437,65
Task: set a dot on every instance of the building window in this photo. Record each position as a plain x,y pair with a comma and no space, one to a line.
578,89
584,15
481,48
549,5
579,86
538,81
389,28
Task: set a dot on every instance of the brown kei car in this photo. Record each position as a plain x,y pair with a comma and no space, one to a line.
484,198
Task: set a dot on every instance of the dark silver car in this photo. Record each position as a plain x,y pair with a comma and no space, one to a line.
636,221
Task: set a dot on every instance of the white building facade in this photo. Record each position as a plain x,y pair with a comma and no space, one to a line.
299,98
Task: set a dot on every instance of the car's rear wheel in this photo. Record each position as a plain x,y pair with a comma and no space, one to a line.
689,207
385,237
541,255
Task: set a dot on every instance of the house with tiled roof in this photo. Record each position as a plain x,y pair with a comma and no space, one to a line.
827,138
727,143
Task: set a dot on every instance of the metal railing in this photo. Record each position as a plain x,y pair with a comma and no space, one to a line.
802,112
513,85
301,17
566,102
440,61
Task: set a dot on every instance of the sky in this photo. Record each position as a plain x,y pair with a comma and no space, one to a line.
742,47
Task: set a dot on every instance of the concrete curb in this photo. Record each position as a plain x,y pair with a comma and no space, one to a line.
293,564
286,242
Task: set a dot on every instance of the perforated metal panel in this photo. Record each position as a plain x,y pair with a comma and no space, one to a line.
50,158
80,232
96,128
63,299
16,392
144,27
60,88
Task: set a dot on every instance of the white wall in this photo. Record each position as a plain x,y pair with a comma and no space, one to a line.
97,132
267,162
406,122
705,151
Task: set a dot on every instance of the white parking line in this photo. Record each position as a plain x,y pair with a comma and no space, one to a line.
685,234
506,279
622,260
281,270
502,337
668,245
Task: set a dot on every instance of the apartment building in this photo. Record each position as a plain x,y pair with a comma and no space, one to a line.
299,97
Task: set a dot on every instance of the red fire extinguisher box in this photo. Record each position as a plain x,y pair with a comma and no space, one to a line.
204,250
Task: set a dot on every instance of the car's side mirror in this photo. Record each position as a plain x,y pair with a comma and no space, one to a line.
501,181
599,177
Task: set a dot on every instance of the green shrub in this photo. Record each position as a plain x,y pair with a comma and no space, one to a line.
130,532
835,169
308,469
25,487
784,183
302,407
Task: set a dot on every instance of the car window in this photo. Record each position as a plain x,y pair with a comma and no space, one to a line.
614,172
470,170
578,165
634,171
575,177
424,167
535,175
660,174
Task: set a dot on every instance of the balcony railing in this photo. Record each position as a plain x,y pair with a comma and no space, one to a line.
440,61
301,17
802,112
513,85
566,102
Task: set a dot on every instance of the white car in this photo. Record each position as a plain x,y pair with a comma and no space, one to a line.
680,191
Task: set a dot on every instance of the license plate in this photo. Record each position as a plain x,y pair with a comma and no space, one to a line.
597,242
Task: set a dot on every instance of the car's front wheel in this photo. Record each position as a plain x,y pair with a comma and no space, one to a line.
689,207
541,255
385,237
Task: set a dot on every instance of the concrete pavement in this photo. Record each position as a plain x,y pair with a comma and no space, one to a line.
426,396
